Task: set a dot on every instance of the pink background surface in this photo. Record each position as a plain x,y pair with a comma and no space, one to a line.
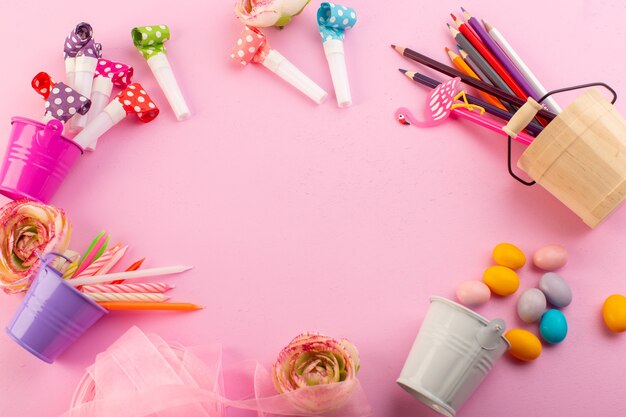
302,217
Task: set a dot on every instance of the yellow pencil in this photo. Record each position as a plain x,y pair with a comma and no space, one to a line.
460,64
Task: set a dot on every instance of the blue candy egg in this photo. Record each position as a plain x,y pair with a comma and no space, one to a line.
553,326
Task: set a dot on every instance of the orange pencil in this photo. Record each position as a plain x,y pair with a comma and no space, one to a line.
462,66
121,305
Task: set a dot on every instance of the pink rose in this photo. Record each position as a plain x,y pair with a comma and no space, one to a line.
28,228
316,362
264,13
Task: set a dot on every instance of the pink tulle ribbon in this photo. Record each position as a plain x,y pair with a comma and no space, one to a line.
142,375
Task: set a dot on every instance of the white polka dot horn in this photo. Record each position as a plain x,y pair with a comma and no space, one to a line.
132,100
252,46
333,20
149,41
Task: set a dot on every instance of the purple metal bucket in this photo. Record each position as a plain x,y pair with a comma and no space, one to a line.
52,316
37,159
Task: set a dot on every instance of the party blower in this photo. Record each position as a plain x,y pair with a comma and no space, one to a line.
86,63
333,20
133,99
108,74
149,41
252,46
62,101
82,33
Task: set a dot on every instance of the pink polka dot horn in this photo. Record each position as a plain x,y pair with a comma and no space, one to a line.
131,100
108,74
85,70
252,46
62,101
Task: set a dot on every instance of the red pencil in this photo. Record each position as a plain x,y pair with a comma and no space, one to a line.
495,64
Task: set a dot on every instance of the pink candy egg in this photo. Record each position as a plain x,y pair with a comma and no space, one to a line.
473,293
550,257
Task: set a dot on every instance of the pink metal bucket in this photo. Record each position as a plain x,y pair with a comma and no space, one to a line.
37,159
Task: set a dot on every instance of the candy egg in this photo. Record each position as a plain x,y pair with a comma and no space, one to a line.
614,313
525,346
553,326
509,255
556,290
531,305
550,257
473,293
501,280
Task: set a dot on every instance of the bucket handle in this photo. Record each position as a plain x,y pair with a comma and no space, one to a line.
490,336
548,94
53,129
47,258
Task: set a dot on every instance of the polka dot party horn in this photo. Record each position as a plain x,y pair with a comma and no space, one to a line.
252,46
108,74
62,102
77,38
85,70
149,41
333,20
132,99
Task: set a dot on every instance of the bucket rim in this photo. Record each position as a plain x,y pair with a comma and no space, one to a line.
42,125
466,310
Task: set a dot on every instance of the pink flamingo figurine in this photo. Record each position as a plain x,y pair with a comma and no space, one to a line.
442,102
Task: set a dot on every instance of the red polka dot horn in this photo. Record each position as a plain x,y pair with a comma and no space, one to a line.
132,100
252,46
108,74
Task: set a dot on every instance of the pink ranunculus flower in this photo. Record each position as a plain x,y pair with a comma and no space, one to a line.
310,368
28,229
265,13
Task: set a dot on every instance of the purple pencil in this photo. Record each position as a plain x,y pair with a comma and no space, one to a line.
500,55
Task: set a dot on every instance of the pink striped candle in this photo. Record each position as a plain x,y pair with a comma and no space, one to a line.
147,287
108,259
128,296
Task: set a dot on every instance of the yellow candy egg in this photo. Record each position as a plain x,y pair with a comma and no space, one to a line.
614,313
525,346
509,255
501,280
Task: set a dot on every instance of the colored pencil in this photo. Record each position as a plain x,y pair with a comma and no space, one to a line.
494,126
480,61
533,128
141,273
462,66
539,89
499,55
451,72
470,63
488,56
123,305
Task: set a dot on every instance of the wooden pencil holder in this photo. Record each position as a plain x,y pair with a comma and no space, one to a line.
580,157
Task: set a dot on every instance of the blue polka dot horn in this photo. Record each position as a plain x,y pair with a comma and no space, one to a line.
333,20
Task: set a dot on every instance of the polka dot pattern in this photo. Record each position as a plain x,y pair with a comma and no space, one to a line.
252,46
120,74
333,20
130,97
149,40
42,83
63,102
77,38
90,50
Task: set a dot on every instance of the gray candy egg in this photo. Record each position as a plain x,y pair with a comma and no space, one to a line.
531,305
556,290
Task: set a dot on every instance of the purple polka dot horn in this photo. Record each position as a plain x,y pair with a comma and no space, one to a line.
77,38
64,102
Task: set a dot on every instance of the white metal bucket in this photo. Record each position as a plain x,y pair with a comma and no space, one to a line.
453,352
